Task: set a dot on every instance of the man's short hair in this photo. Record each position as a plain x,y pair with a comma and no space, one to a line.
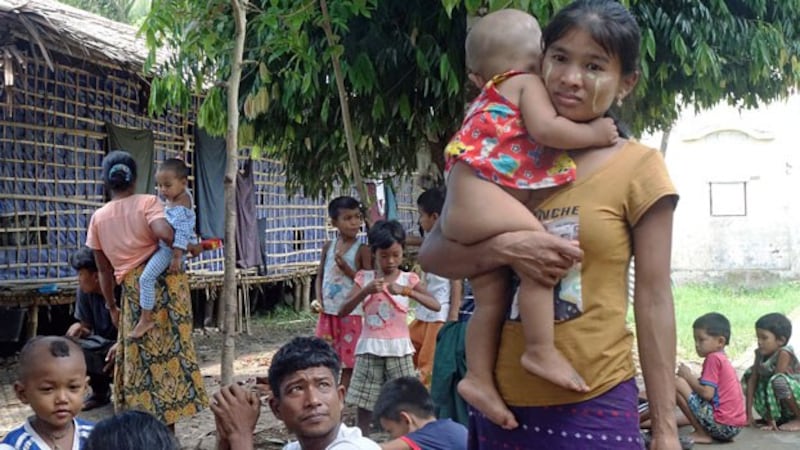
299,354
403,394
714,324
83,259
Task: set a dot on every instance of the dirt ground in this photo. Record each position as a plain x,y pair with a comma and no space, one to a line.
253,355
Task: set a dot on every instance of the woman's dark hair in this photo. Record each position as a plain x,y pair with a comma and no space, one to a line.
403,394
299,354
340,203
609,23
119,170
385,233
431,201
177,166
714,324
777,324
131,430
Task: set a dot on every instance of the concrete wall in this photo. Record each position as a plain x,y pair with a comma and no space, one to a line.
738,218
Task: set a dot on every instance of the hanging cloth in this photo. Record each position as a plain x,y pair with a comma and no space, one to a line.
141,145
248,243
209,162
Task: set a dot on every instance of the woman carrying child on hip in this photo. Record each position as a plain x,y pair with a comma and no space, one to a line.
772,384
501,163
341,259
384,351
172,179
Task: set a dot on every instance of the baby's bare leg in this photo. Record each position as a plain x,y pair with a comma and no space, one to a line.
475,209
491,292
541,357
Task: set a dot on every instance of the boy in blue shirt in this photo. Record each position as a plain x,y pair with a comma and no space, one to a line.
52,380
405,410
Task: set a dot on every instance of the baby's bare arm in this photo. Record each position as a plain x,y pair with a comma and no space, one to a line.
548,128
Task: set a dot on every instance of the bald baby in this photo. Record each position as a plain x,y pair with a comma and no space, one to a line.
503,41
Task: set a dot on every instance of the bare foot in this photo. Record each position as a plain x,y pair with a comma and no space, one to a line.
141,328
701,438
792,425
548,363
485,398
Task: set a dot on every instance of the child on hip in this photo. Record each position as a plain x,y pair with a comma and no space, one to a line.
500,165
772,383
384,351
172,181
426,324
713,402
340,260
52,380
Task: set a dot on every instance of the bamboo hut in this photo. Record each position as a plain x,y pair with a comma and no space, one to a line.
68,77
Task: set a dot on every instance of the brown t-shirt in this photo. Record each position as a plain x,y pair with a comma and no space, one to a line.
599,210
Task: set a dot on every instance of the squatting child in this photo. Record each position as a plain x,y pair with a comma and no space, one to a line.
500,165
772,383
426,324
51,379
384,351
405,410
341,259
172,180
713,402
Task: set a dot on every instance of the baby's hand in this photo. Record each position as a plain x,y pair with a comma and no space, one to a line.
606,130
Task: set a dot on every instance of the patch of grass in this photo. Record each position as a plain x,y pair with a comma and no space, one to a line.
286,315
741,307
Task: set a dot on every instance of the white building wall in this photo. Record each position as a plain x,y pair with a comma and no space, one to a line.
758,148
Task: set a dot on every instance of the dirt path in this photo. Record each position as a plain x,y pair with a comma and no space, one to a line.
253,355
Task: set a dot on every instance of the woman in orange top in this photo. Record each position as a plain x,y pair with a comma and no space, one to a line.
157,373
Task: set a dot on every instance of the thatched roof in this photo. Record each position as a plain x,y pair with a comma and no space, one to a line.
72,31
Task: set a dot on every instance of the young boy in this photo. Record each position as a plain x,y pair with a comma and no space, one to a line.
426,325
713,403
340,260
52,380
405,410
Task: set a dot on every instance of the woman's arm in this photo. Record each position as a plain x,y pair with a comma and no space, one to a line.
456,292
546,257
105,275
163,230
655,316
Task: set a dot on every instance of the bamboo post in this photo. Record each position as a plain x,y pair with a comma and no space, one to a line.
306,298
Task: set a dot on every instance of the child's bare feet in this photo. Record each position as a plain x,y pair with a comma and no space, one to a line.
792,425
485,398
142,327
699,437
548,363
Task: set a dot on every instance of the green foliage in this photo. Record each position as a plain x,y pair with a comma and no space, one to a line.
403,64
126,11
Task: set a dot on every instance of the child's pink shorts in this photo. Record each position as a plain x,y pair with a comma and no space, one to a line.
342,333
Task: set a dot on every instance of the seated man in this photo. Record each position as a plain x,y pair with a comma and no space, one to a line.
94,330
405,410
306,396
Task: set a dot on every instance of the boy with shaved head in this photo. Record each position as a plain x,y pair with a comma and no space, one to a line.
52,380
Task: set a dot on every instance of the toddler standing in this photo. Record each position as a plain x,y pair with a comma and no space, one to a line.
713,402
341,258
52,380
384,351
498,164
172,179
772,384
426,325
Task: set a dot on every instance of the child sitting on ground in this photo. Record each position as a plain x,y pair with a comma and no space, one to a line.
427,323
772,384
172,179
384,350
713,403
51,379
340,260
405,410
498,165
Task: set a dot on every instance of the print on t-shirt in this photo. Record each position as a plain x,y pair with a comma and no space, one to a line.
567,293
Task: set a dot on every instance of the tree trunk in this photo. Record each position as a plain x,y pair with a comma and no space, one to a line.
665,141
348,124
229,285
